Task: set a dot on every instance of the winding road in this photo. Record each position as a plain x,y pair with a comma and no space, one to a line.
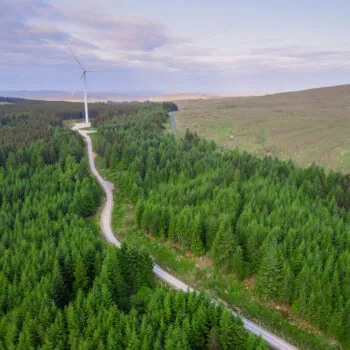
106,218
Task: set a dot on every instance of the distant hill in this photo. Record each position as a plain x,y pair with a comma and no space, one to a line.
4,100
335,93
48,95
305,126
332,95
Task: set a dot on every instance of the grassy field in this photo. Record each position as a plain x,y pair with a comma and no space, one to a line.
307,126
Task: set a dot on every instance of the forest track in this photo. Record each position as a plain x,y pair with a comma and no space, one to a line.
106,217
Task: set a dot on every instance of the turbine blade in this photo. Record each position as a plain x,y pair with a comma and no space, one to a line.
76,86
75,57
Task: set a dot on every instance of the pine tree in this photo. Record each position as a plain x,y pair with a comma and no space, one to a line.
229,333
223,246
196,238
269,277
213,340
175,339
286,286
238,265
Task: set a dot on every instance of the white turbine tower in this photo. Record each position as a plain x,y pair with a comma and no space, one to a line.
83,76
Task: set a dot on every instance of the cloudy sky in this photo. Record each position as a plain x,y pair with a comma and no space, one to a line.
221,46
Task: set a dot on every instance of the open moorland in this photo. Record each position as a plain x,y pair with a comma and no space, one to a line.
307,126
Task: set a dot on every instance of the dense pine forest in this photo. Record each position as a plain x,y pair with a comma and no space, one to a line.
61,285
24,121
287,226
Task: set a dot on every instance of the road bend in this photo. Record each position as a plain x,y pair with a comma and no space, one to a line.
106,217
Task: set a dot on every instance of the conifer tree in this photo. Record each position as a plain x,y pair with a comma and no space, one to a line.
269,277
223,246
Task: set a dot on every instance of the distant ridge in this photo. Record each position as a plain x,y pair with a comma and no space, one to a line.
52,95
336,92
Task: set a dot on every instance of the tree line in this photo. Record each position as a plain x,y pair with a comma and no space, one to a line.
289,226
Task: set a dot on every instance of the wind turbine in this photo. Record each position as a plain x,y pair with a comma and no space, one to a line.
83,76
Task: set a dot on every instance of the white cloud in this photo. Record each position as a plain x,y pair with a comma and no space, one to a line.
40,33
